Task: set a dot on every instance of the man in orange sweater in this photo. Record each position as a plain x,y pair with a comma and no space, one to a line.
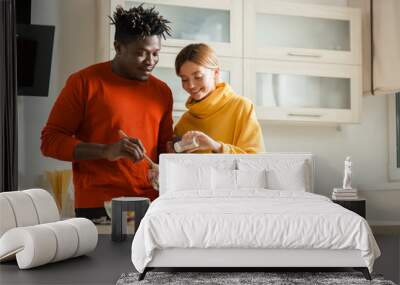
99,101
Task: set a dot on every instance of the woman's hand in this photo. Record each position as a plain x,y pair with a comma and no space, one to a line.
205,142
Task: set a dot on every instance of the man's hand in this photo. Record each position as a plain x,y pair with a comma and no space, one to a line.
126,147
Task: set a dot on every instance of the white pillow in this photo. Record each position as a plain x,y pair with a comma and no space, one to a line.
251,178
288,177
182,177
282,174
228,179
224,179
200,160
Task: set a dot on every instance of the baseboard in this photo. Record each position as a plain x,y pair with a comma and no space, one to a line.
388,186
106,229
391,228
383,223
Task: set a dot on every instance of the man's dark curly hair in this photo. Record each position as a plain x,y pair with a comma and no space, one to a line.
138,23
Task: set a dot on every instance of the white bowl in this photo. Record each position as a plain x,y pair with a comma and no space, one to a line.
108,208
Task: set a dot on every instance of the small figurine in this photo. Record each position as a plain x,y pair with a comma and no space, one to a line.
347,174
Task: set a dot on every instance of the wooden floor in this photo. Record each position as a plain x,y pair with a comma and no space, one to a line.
111,259
389,262
102,266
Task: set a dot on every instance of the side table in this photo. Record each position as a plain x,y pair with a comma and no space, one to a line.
357,205
120,206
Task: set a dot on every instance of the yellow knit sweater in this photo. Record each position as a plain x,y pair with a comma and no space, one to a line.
225,117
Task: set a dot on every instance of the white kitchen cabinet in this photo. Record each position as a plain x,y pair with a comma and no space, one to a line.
303,92
219,23
297,62
302,32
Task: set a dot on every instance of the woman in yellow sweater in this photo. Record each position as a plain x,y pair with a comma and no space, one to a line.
220,120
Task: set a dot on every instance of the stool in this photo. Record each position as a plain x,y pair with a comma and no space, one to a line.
120,206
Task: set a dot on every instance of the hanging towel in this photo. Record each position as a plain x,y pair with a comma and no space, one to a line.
380,45
385,19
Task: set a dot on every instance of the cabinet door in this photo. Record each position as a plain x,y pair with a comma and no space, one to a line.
302,32
231,72
217,23
309,92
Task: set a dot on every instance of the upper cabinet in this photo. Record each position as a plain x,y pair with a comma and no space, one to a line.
218,23
297,62
302,32
306,92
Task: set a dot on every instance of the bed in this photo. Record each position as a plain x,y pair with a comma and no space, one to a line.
246,211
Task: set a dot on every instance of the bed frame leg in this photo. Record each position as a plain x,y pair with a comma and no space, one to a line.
364,271
143,274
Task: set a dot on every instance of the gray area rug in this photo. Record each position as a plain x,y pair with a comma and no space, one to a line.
269,278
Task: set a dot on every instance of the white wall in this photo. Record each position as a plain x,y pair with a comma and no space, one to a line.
74,22
74,48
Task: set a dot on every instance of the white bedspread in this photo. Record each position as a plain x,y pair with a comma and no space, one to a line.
250,218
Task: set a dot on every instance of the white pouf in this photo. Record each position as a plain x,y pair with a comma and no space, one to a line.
31,232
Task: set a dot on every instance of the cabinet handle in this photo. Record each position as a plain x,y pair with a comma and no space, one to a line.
305,115
291,53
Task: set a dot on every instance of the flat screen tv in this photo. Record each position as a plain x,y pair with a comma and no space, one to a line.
34,53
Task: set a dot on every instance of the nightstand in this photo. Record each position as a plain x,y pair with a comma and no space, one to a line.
119,218
356,205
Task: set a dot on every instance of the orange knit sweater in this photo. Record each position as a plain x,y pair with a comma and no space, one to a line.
94,104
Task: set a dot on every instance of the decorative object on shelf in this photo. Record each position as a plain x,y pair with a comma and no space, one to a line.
346,192
347,173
